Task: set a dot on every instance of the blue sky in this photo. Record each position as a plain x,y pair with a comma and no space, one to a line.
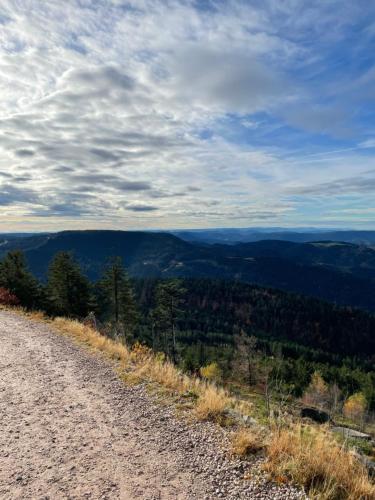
156,114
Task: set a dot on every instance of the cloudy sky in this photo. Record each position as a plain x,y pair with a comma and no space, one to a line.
182,113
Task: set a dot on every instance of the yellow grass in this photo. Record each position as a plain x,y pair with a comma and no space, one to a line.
113,349
247,442
142,364
310,457
211,403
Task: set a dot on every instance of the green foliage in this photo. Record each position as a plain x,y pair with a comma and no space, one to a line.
167,312
116,298
68,290
15,277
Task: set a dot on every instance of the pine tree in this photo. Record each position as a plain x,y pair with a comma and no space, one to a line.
68,290
169,297
117,298
15,277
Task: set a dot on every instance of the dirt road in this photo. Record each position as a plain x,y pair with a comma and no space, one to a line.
70,429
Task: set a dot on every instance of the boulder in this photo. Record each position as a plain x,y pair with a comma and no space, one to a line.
319,416
352,433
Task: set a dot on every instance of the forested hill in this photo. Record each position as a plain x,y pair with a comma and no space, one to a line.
296,335
246,235
218,306
338,272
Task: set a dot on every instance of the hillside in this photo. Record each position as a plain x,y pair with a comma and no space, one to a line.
296,335
227,307
143,253
342,255
72,429
338,272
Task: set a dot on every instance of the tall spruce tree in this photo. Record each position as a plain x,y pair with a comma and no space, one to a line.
169,298
117,298
15,276
68,290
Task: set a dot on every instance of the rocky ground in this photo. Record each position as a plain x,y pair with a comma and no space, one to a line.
70,429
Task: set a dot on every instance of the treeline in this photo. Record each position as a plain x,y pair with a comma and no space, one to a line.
110,301
249,334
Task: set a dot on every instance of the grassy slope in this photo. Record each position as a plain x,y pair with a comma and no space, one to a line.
306,455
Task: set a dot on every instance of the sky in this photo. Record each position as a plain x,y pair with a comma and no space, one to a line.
185,114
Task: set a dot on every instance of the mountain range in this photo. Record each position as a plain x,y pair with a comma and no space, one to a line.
247,235
340,272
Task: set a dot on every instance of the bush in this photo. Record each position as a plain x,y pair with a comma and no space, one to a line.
355,407
8,298
211,372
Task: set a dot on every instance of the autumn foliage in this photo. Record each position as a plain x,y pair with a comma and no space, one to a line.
7,298
355,406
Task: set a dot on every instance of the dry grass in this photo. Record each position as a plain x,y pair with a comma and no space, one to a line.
113,349
141,364
211,403
247,442
310,457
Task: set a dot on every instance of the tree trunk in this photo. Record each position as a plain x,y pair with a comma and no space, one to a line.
116,297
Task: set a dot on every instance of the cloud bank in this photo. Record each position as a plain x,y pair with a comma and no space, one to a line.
148,113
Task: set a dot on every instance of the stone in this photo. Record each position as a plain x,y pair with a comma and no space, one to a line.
318,416
352,433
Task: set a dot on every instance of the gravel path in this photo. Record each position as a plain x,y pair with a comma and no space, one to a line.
70,429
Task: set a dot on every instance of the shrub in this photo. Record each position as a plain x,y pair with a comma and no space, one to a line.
355,406
211,372
7,298
141,352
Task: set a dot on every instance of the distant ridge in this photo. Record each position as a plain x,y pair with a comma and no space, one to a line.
232,236
343,273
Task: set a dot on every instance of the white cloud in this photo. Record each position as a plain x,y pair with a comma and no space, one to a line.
102,105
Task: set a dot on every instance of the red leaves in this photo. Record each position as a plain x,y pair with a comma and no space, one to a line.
8,298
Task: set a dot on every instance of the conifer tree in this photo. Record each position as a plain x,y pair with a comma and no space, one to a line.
169,297
15,277
117,298
68,289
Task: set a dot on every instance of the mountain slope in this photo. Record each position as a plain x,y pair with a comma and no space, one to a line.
338,272
145,254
